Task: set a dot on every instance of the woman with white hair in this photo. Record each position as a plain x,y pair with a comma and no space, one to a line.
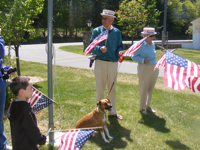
146,58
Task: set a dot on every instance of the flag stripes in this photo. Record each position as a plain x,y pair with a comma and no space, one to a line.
39,101
75,139
178,70
161,62
134,48
102,37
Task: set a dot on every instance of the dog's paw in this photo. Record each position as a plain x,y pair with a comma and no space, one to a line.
110,137
107,141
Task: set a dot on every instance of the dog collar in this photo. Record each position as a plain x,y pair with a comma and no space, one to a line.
100,111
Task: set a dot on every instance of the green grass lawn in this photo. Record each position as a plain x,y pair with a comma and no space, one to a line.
175,125
193,55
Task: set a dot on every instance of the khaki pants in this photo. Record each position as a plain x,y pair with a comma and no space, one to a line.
106,72
147,80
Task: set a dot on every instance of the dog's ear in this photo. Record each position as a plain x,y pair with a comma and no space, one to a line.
98,103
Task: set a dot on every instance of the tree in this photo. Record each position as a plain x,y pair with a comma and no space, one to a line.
132,16
18,21
196,25
153,13
174,17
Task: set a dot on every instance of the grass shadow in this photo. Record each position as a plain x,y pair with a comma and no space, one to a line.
117,132
154,121
177,145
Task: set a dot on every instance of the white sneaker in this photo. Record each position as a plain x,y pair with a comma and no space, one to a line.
151,110
7,147
143,111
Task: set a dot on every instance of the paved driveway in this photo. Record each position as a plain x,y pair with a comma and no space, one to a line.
37,53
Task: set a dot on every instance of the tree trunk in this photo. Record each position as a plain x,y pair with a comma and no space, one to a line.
132,38
17,60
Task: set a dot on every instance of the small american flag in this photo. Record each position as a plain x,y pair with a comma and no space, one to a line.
194,83
75,139
161,62
134,47
178,70
39,101
103,36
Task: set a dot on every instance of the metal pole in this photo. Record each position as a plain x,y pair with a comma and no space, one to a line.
165,17
50,95
164,35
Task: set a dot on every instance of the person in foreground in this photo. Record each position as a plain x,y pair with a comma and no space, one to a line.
3,140
24,131
106,61
146,58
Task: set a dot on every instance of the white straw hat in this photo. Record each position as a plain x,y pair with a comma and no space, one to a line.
107,12
148,30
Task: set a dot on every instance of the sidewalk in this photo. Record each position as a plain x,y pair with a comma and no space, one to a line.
37,53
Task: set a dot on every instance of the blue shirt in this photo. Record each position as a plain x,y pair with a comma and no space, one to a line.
2,53
146,51
113,45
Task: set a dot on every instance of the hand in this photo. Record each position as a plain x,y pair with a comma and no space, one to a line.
43,144
120,53
13,73
146,61
103,49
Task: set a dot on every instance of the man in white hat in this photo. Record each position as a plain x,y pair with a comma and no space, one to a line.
146,58
106,60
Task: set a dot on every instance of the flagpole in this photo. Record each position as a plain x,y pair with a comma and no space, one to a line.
77,129
49,58
108,34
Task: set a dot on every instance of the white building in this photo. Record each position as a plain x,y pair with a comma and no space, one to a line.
196,33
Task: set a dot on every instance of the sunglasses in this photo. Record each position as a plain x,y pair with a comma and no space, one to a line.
151,36
104,18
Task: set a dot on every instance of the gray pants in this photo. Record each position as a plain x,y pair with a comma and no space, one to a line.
105,72
147,80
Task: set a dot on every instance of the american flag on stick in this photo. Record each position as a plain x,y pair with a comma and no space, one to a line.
75,139
39,101
161,62
103,36
132,49
178,71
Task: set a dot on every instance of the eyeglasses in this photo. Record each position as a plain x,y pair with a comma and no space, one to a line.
151,36
104,18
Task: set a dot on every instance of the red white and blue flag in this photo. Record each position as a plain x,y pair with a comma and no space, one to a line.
134,47
39,101
75,139
194,83
103,36
161,62
178,71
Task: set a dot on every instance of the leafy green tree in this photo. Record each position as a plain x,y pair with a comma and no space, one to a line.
190,13
153,13
174,17
18,21
132,16
197,21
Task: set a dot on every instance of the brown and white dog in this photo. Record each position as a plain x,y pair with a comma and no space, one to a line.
97,118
